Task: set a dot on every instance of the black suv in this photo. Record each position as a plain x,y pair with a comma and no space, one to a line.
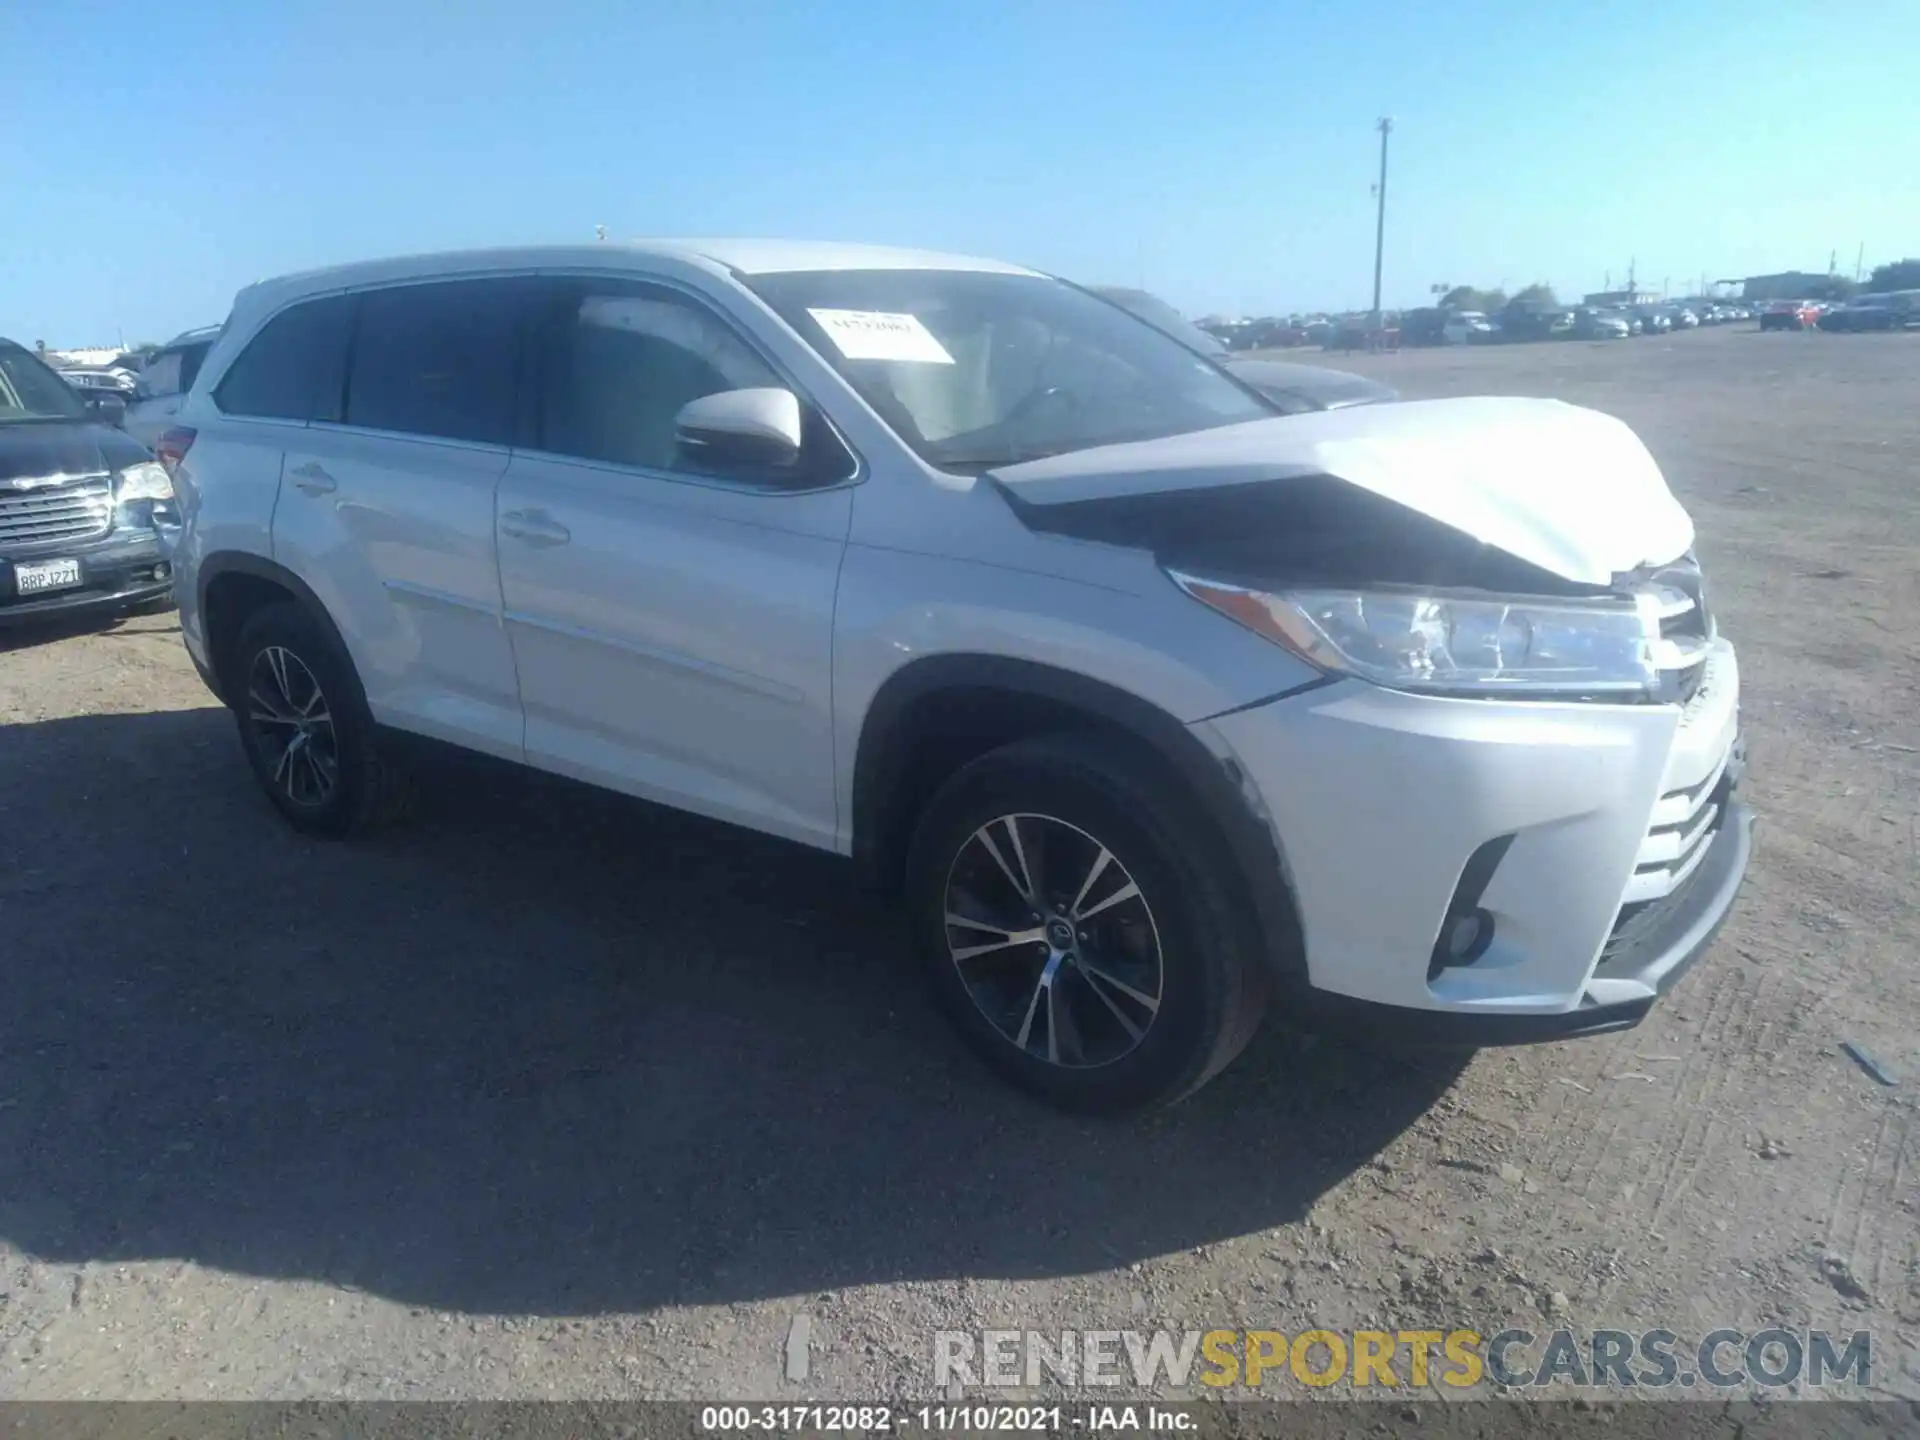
80,502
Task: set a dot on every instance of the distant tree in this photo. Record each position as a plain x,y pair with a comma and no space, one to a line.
1900,275
1466,297
1538,293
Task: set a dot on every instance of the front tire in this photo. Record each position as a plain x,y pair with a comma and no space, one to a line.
308,734
1070,907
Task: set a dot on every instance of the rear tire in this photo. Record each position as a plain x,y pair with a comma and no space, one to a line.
307,731
1099,961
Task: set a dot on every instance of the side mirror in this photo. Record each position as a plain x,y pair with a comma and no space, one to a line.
741,429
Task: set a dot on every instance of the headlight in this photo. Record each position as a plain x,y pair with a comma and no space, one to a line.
144,481
1524,648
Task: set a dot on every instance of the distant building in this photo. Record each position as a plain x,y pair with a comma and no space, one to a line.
1608,299
1788,285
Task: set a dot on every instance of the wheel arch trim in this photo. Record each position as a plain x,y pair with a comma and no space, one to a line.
260,567
884,753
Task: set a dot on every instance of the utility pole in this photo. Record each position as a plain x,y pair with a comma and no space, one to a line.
1859,262
1380,218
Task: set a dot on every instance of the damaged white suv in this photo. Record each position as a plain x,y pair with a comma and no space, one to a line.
1158,707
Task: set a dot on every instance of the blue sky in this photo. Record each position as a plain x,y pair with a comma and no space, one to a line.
164,155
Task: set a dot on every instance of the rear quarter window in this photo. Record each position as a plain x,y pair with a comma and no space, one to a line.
292,369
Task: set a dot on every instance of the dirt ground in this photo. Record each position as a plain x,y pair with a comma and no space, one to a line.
557,1095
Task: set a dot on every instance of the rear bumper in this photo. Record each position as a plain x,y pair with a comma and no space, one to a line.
114,575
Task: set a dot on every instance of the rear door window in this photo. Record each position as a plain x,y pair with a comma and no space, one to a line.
292,369
439,359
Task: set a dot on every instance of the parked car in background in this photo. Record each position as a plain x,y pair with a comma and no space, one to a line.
1467,327
1592,324
1843,315
1526,320
167,376
1789,315
1277,334
1151,703
1893,310
1653,320
1424,326
80,503
1296,388
109,391
1681,317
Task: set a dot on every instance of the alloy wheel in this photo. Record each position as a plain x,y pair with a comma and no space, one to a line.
1054,941
293,726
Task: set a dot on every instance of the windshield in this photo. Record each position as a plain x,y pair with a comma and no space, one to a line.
974,369
29,390
1162,316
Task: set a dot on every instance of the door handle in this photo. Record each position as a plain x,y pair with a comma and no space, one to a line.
534,527
313,478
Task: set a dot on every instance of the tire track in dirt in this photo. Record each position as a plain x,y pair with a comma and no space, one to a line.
1706,1073
1856,1230
1571,1120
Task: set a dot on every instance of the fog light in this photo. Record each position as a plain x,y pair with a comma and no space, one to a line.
1467,929
1467,937
162,570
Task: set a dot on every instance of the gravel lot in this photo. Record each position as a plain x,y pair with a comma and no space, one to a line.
554,1094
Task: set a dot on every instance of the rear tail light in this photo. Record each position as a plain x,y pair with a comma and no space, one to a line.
173,447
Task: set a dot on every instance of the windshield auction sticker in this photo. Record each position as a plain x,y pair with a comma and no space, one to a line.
879,335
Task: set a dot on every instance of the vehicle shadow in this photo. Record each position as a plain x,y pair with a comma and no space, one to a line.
549,1051
55,628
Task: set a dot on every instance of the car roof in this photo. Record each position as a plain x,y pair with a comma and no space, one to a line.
745,257
206,334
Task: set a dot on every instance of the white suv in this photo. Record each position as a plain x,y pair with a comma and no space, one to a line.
1155,705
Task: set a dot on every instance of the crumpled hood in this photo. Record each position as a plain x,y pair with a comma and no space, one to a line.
1568,489
1328,389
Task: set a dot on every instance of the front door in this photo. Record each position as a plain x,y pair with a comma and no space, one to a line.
672,627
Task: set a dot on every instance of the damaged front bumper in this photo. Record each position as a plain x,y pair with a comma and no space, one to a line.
1589,853
1664,952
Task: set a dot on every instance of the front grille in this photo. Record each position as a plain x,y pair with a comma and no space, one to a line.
77,509
1685,824
1679,597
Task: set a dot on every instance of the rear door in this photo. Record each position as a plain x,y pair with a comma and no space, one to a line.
386,504
673,626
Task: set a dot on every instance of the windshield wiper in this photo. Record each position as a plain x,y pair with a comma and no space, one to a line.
994,459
